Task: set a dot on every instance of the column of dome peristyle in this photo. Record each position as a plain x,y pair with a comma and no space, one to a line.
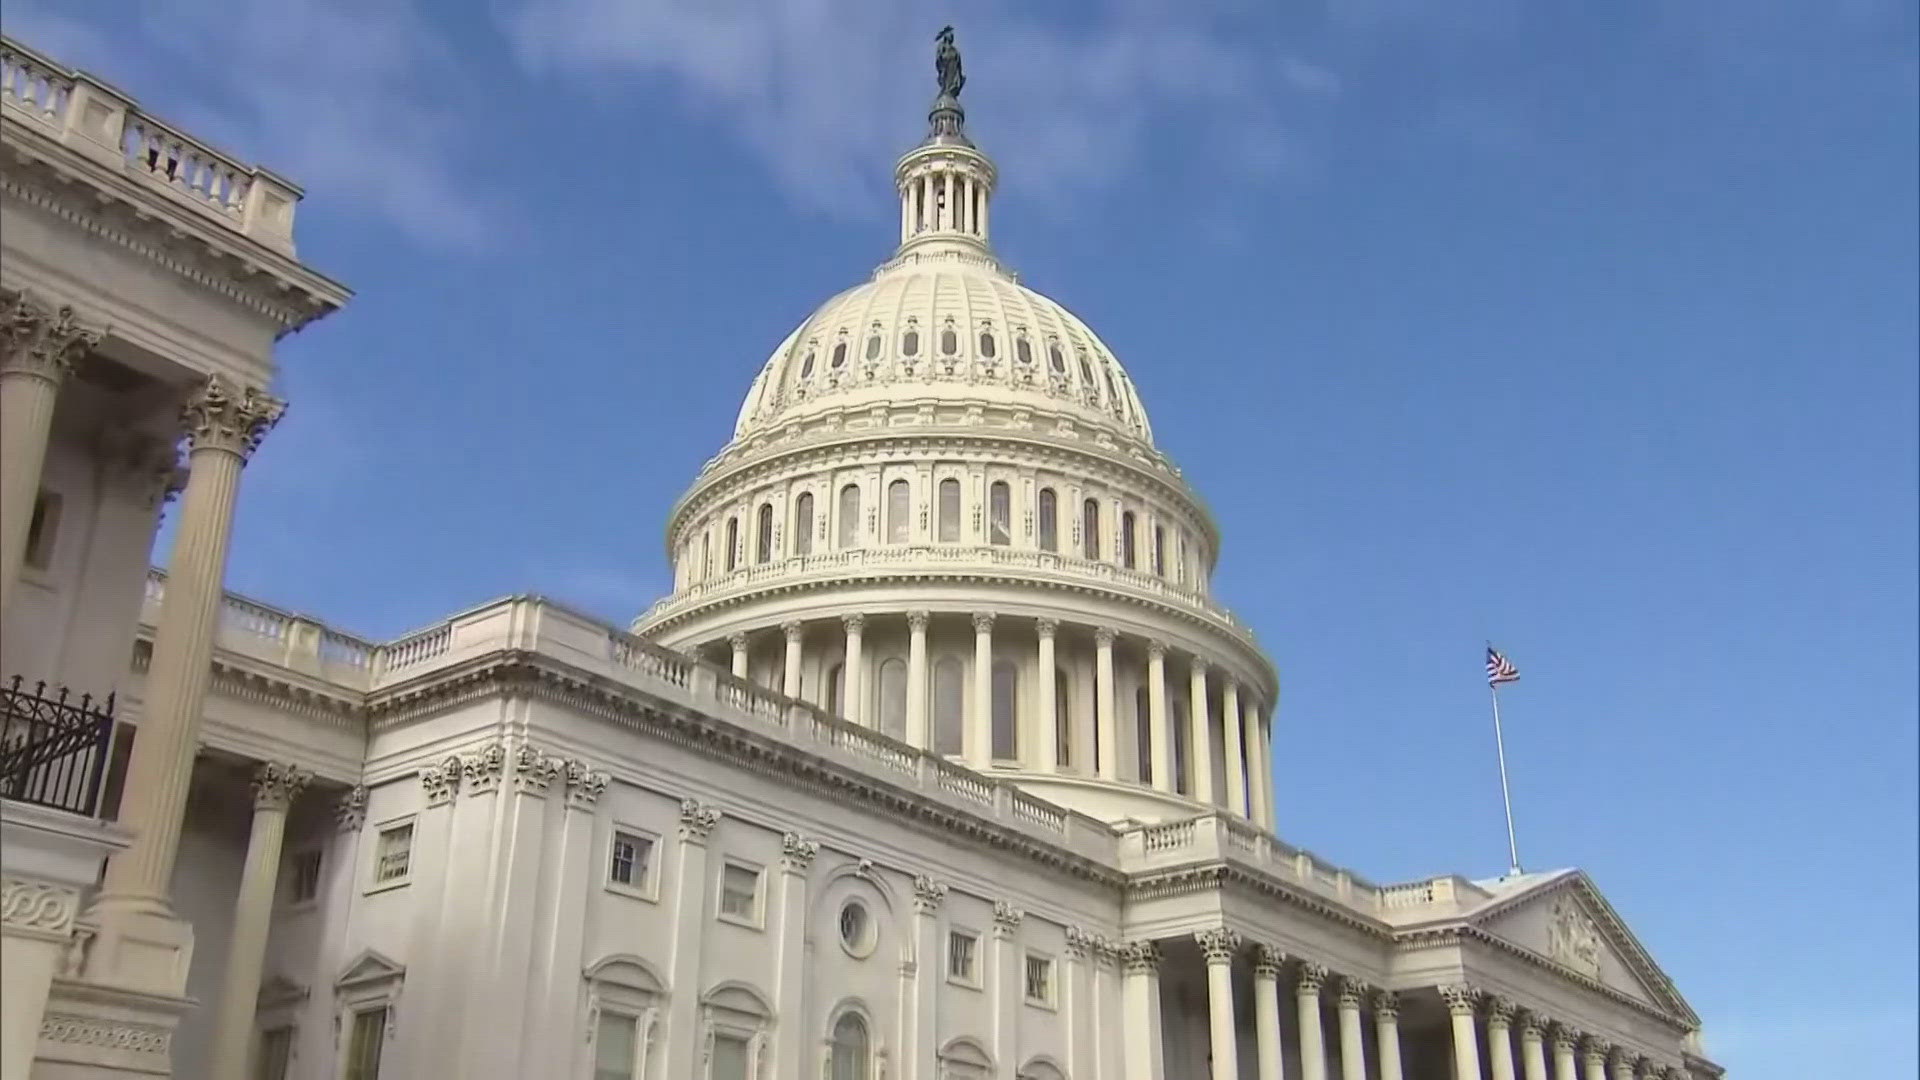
37,349
141,943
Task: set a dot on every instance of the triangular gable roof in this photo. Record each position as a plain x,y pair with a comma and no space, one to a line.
369,967
1560,917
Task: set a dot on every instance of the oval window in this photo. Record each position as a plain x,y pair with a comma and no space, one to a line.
873,347
856,928
840,355
1023,350
986,344
806,366
910,343
949,342
1057,361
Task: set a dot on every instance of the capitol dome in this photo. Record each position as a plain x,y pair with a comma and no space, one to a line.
942,516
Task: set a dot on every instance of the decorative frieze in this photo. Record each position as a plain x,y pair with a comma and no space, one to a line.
928,894
1217,944
275,785
697,819
350,809
797,853
106,1034
223,415
37,907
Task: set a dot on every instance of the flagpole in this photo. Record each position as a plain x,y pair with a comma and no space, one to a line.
1506,798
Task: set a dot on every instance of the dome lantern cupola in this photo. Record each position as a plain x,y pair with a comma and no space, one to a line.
945,182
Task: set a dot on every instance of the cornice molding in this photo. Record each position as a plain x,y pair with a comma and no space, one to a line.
1218,876
1462,934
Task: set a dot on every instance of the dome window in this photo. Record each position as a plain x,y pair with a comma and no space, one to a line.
803,524
839,355
1023,350
1055,359
910,342
986,344
806,366
1113,392
999,514
873,347
1086,376
949,342
1049,513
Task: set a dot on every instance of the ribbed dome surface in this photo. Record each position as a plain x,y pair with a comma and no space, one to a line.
947,325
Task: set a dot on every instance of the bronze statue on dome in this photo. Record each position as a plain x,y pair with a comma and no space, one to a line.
946,64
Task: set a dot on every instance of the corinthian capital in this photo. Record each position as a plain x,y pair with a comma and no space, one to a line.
1353,992
1310,977
222,415
275,785
928,894
35,341
1460,999
697,819
1217,944
982,622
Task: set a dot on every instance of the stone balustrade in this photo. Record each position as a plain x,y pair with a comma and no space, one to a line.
90,116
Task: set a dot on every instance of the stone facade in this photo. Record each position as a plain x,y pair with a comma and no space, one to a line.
941,759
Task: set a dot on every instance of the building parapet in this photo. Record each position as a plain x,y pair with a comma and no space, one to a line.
89,116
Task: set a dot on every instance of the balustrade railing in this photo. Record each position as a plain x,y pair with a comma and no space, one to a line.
53,752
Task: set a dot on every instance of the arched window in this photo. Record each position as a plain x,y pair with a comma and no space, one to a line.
1180,560
1006,696
733,543
999,513
893,697
1055,359
706,555
1113,394
806,366
898,496
910,343
986,344
835,698
1023,349
1086,375
1049,515
949,732
1160,550
839,355
1062,720
949,511
1143,734
763,534
1090,528
1181,735
949,342
1127,555
852,1057
849,525
803,524
873,346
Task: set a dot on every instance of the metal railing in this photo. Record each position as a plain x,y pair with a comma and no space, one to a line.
53,752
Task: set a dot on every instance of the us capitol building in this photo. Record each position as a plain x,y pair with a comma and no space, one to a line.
941,760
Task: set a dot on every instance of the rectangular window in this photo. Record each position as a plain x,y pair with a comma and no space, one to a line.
960,956
42,528
276,1053
632,860
740,892
365,1039
303,876
1039,980
616,1046
999,513
731,1056
393,855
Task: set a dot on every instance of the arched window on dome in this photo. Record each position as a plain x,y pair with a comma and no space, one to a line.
1090,528
1062,720
806,365
803,524
1048,512
950,511
873,344
910,341
1086,375
839,355
1127,540
851,1054
999,513
1180,561
835,699
763,535
706,555
1113,395
899,495
1055,358
949,700
949,342
893,697
1006,712
1182,735
1023,350
986,344
1143,736
1160,550
733,543
848,528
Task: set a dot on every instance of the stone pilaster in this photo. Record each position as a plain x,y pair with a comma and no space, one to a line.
790,952
1005,980
690,917
274,789
928,897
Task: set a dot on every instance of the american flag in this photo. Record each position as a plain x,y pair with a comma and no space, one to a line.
1499,668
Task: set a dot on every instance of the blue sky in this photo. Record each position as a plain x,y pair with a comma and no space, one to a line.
1589,328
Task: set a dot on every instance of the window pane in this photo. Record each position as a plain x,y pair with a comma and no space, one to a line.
850,1049
730,1057
949,510
1127,540
276,1052
733,543
394,854
898,496
849,528
893,698
740,892
1160,551
632,855
763,534
803,524
948,703
1090,527
960,956
364,1044
1049,520
1039,980
999,513
1006,686
616,1043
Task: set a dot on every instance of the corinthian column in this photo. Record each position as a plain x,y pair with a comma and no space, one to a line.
1235,756
1108,762
1533,1057
1500,1037
979,740
1219,945
1386,1033
738,642
1594,1056
224,424
1266,1012
853,698
1353,1045
1200,733
37,349
1160,754
1565,1041
1313,1035
1466,1045
1141,1017
274,787
917,733
1046,728
790,670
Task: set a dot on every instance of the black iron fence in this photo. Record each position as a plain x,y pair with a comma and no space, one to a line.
53,752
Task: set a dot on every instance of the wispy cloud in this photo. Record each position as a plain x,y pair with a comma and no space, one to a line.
357,100
828,92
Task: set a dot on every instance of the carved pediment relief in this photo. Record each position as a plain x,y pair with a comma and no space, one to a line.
1569,923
